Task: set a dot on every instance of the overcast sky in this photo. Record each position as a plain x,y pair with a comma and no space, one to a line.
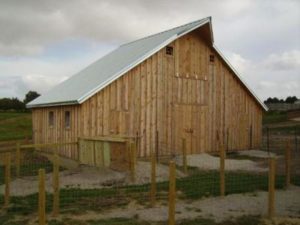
43,42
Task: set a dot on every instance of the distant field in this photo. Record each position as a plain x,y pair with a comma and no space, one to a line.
15,125
274,117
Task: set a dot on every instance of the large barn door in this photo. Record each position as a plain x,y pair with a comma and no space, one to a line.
182,127
189,123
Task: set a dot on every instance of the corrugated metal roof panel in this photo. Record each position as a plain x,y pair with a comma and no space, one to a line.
101,73
82,85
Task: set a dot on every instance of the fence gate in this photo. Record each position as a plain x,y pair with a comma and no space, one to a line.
104,152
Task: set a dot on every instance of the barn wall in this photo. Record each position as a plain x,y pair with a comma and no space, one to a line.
127,107
183,95
43,133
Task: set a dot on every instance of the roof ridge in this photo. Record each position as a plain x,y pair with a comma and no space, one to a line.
151,35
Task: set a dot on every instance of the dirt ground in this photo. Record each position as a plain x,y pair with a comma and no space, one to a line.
209,162
86,177
217,208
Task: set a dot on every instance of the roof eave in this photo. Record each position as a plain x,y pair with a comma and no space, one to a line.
52,104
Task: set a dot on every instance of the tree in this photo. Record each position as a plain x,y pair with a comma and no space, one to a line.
11,104
31,95
291,99
272,100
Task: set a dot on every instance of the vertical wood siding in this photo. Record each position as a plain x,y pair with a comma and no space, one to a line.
183,95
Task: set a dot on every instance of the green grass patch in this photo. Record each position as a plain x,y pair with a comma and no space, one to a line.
32,162
285,130
243,220
196,186
274,117
118,221
15,125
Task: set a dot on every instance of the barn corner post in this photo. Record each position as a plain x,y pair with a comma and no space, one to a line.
42,198
132,154
172,193
79,146
184,156
271,197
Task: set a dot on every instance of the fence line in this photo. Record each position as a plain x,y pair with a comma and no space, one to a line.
152,188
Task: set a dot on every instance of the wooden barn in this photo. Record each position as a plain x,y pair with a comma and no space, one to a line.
158,89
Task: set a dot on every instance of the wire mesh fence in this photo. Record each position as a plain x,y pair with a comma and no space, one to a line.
214,186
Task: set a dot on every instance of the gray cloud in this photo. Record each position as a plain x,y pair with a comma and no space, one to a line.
28,26
260,37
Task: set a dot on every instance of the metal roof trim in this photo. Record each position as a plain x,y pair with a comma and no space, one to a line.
125,70
240,78
30,106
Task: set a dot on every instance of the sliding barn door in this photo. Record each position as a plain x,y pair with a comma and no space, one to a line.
189,124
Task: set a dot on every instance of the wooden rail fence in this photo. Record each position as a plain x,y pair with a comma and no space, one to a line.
132,157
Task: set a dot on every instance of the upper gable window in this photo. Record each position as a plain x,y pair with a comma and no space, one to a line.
169,50
67,119
211,58
51,119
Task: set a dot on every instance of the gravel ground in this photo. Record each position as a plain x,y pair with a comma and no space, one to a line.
217,208
258,154
86,177
208,162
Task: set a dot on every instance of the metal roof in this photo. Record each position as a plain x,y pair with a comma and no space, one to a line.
110,67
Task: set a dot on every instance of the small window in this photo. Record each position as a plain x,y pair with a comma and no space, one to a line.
211,58
169,50
51,119
67,119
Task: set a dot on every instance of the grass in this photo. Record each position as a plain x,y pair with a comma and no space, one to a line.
271,117
243,220
196,186
35,162
10,219
15,125
286,130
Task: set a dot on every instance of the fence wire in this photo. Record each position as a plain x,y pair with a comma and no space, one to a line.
104,196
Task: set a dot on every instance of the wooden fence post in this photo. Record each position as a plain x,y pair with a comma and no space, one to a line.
288,164
55,210
18,159
172,193
153,180
222,170
272,167
133,160
184,157
7,179
42,197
